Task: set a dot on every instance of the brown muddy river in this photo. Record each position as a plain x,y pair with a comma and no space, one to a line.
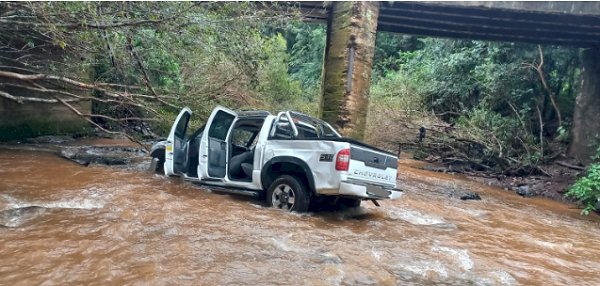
65,224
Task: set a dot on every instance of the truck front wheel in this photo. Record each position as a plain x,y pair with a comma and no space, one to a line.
288,193
157,164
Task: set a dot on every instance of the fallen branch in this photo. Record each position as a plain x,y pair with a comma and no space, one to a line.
570,166
75,83
77,112
542,171
447,112
118,119
23,99
77,97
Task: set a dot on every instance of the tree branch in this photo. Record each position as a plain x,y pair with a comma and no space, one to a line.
79,97
86,25
89,115
23,99
37,77
145,73
541,131
570,166
540,72
77,112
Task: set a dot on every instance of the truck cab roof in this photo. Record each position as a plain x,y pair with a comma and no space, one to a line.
253,114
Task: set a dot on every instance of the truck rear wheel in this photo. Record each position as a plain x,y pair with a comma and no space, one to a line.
288,193
350,203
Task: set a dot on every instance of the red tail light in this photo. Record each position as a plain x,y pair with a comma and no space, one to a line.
342,160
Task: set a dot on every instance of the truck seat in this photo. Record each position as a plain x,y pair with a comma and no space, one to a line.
247,168
236,165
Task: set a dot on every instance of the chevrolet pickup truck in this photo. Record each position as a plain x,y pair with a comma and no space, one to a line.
290,159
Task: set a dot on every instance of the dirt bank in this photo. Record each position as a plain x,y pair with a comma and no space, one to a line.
552,186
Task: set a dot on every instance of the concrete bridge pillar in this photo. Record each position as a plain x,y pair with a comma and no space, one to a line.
351,32
586,117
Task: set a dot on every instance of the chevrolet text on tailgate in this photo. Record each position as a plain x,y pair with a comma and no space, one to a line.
291,159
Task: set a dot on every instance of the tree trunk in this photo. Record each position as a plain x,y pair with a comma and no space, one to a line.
347,66
586,117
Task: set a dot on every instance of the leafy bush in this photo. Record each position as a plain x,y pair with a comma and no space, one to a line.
587,189
483,92
275,85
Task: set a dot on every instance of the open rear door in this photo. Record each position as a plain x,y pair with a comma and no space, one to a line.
176,150
213,146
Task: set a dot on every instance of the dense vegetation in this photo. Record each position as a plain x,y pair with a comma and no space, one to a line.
143,61
587,188
490,106
513,109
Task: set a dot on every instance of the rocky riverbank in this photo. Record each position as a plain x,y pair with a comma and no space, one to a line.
552,186
113,151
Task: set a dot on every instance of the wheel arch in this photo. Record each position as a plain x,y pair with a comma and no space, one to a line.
287,165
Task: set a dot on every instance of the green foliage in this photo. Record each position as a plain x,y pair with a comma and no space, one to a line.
275,84
490,92
396,90
597,156
587,189
307,50
392,51
562,134
503,136
187,54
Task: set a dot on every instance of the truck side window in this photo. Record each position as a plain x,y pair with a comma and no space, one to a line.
306,133
241,137
220,125
182,126
283,130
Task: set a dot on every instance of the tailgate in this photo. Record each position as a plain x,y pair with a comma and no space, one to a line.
371,166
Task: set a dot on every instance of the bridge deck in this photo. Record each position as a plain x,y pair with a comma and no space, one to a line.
561,23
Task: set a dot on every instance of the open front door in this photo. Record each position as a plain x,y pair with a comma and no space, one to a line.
214,147
176,150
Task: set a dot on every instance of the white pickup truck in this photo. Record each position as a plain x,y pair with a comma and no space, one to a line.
290,158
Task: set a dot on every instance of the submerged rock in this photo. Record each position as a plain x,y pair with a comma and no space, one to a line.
18,216
358,278
470,196
327,258
50,139
524,190
103,155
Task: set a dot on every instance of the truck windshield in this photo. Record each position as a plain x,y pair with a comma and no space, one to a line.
310,127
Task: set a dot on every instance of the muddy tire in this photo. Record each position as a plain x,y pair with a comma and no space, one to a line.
158,161
288,193
158,166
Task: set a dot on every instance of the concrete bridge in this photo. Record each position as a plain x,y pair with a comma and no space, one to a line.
352,28
549,22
